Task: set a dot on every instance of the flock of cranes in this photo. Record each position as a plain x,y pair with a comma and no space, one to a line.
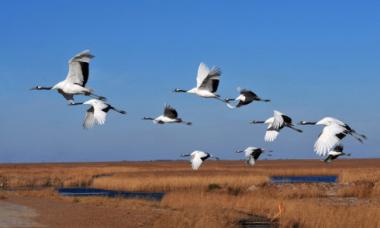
327,144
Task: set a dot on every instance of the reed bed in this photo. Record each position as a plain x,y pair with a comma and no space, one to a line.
222,192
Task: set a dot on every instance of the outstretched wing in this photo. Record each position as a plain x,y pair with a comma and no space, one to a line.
248,93
256,153
271,134
203,71
330,136
89,119
79,68
170,112
278,120
208,79
251,161
196,162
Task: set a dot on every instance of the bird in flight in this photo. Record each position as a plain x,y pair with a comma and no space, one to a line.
76,79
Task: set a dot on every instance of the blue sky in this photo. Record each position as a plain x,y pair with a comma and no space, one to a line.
313,59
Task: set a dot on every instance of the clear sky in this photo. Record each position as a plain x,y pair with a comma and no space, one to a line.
312,58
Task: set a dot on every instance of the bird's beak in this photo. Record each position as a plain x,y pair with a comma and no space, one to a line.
33,88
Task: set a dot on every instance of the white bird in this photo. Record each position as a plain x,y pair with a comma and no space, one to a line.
252,154
170,115
76,79
335,153
246,97
197,158
207,83
97,113
275,124
333,132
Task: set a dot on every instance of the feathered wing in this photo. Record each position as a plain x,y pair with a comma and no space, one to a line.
196,162
170,112
211,82
89,119
278,120
249,151
271,134
208,79
79,68
203,71
100,111
251,161
100,116
330,136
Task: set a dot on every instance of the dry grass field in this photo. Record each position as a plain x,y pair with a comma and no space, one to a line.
218,195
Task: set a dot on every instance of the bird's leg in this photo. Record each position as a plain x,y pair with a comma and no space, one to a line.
148,118
356,137
185,155
239,151
264,100
359,135
187,123
292,127
119,111
222,100
96,96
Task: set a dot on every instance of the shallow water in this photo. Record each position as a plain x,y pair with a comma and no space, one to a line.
303,179
110,193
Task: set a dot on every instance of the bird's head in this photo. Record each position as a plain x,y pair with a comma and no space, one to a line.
35,88
41,88
303,122
179,90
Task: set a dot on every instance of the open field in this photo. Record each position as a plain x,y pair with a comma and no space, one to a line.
218,195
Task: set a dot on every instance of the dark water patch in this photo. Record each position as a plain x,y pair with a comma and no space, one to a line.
110,193
303,179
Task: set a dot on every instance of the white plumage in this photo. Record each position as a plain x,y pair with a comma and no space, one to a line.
207,83
97,113
252,154
170,115
197,158
76,79
275,124
333,132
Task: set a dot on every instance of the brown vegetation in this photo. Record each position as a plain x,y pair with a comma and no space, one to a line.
221,192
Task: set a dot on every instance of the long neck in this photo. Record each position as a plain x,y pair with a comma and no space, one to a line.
307,123
180,91
76,103
118,110
42,88
257,122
